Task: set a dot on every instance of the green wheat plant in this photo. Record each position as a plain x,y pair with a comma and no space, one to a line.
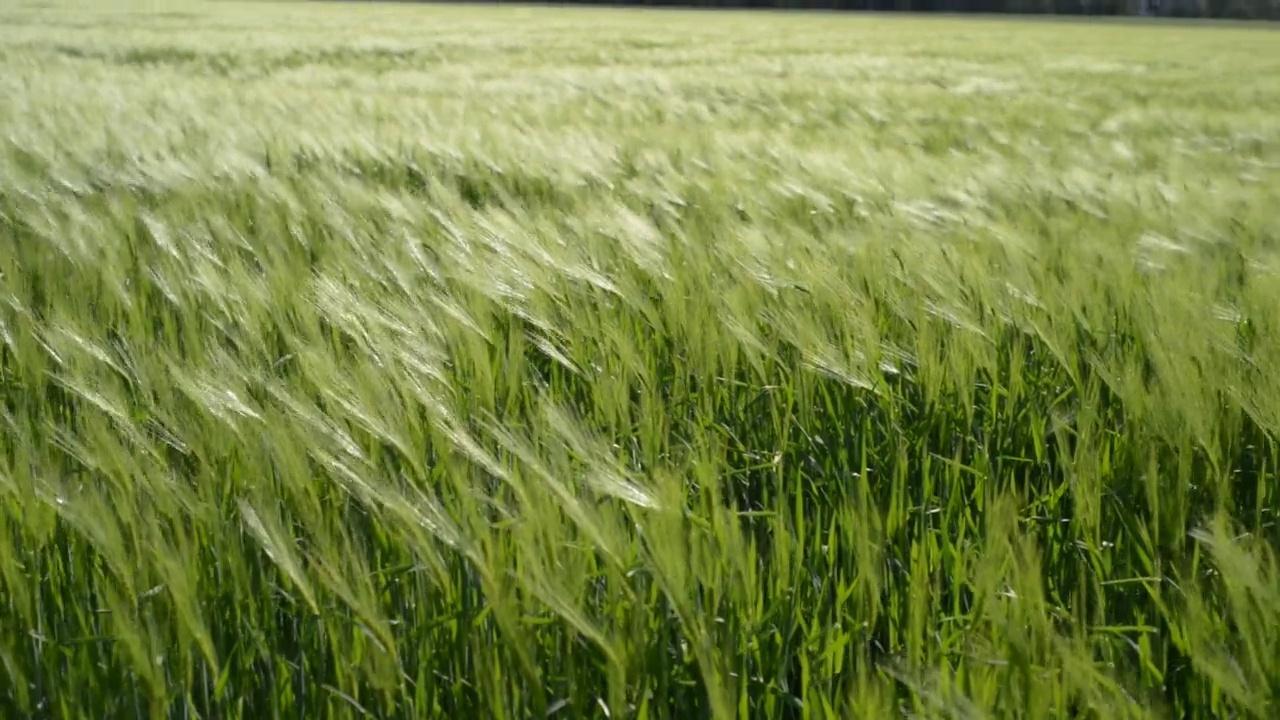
411,362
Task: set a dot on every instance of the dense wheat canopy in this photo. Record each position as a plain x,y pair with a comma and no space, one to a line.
413,362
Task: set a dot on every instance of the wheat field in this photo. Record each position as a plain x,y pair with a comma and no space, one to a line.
406,362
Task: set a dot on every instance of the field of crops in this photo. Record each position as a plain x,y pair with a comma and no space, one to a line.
409,362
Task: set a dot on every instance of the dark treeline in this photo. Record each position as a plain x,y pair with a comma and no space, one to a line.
1227,9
